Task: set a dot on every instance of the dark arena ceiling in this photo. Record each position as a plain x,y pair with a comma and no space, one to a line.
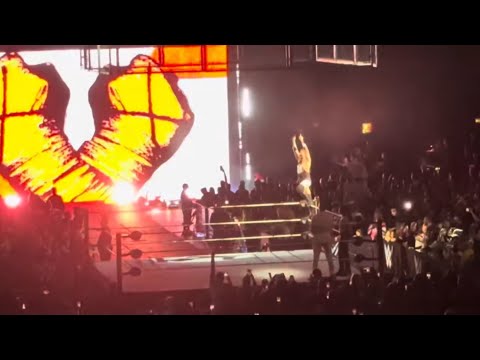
18,48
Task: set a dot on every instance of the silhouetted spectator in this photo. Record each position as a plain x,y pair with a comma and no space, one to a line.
242,196
104,244
205,200
213,196
55,201
186,203
229,194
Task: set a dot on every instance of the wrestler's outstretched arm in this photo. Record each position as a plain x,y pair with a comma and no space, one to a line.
295,149
304,146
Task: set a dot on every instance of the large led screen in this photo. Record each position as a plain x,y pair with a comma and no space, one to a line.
156,121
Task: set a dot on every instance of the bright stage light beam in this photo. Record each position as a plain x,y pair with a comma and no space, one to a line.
123,193
155,211
246,105
12,201
407,205
248,172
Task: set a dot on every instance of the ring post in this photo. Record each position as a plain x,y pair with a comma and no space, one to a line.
207,220
118,244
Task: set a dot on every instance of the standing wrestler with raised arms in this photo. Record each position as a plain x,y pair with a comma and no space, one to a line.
304,166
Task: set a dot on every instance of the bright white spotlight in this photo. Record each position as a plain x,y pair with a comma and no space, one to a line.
407,205
248,172
12,201
246,103
240,132
123,193
247,158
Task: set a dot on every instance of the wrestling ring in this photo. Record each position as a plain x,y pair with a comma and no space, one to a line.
139,263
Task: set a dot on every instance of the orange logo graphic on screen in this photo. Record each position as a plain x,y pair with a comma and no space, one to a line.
33,149
193,61
146,119
141,119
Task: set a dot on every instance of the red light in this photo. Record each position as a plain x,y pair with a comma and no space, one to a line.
12,201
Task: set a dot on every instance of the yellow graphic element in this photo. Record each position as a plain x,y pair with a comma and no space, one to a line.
5,188
26,92
150,113
147,120
33,153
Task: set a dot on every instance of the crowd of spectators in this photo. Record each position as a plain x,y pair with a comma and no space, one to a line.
362,294
43,252
430,229
429,217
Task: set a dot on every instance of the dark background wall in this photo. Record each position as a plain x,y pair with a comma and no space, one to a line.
418,93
